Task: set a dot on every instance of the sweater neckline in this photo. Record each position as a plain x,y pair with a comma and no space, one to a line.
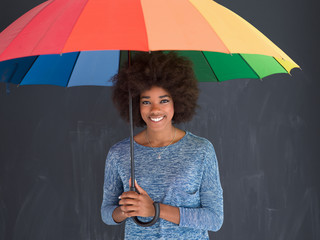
173,144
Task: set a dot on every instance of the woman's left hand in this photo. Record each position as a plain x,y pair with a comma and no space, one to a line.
134,204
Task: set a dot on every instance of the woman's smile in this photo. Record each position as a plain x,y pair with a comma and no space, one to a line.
156,119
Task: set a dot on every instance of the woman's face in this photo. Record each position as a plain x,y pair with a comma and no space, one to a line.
156,108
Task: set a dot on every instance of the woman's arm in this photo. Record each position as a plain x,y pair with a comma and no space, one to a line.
170,213
112,188
167,212
210,215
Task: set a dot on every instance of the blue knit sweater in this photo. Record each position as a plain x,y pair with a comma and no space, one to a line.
186,176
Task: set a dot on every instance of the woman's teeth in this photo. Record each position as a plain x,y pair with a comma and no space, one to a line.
156,119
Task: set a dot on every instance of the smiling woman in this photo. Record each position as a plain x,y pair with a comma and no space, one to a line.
175,169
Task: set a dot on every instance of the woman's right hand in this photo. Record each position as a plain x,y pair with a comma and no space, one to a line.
134,204
121,213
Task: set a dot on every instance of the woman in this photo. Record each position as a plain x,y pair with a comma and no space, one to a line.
173,167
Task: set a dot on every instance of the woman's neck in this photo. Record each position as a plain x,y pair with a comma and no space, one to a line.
160,138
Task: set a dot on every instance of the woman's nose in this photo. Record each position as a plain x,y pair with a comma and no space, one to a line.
155,108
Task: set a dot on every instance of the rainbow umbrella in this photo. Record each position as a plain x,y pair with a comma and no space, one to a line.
83,42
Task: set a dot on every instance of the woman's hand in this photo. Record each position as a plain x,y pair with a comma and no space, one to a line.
134,204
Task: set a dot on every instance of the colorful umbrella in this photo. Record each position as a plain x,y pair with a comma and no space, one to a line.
64,42
83,42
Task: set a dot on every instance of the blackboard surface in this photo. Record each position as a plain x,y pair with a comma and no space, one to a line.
54,141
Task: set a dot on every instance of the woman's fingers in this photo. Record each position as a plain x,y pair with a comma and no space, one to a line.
136,204
128,201
130,182
129,208
131,211
133,204
129,194
140,189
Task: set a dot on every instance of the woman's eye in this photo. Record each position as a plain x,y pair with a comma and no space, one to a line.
164,101
145,102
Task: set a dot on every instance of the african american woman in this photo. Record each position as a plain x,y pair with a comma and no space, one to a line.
173,167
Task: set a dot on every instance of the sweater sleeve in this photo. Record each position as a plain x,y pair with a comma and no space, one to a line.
112,189
209,215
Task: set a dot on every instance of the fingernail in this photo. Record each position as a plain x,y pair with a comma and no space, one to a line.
119,197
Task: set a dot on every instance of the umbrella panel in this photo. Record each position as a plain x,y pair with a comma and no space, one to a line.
98,67
218,67
45,70
13,71
263,65
95,67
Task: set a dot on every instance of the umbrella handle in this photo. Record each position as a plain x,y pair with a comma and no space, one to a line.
156,215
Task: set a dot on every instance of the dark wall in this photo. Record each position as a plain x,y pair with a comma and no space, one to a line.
53,143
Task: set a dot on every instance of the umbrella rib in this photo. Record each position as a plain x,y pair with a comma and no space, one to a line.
45,33
119,62
250,66
210,66
283,66
74,24
201,14
72,69
28,70
145,26
13,73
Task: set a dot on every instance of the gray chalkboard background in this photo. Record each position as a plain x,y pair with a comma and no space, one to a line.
54,141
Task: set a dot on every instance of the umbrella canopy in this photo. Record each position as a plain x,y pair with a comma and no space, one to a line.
82,42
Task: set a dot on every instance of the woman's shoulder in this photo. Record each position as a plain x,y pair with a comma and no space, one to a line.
119,146
197,140
202,146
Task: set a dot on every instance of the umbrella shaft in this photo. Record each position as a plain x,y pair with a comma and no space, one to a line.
131,142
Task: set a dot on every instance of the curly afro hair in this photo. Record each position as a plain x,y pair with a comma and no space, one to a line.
166,70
